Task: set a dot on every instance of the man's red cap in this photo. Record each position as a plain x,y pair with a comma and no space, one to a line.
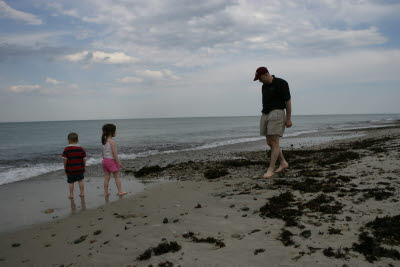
259,72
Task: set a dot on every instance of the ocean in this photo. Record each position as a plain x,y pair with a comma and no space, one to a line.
29,149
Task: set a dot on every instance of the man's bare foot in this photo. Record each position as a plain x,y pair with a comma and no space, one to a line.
122,193
71,197
283,166
268,174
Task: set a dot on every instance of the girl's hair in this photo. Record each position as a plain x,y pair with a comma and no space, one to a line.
108,130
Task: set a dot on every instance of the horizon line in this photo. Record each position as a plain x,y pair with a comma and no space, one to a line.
175,117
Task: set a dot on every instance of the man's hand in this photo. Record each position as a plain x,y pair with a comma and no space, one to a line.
288,123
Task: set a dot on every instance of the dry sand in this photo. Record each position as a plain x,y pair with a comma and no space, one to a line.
358,180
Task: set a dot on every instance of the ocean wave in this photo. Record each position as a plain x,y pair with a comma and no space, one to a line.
22,173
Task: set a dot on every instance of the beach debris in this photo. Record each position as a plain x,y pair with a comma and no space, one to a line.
176,220
260,250
286,238
161,248
145,255
215,173
80,239
320,204
338,158
338,254
240,162
97,232
372,249
245,208
378,193
15,245
165,220
280,207
238,236
48,211
334,231
216,242
165,264
385,230
146,170
198,206
254,231
306,234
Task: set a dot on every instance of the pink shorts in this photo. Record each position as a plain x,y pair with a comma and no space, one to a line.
110,165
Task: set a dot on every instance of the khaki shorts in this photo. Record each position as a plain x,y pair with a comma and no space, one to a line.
273,123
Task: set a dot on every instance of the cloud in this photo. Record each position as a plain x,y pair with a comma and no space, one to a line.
52,87
204,33
9,12
100,57
130,79
52,81
24,88
157,75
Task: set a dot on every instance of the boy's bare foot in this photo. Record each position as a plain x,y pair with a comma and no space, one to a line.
268,174
81,195
122,193
106,194
283,166
71,197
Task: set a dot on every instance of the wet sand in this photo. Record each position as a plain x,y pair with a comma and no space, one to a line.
320,212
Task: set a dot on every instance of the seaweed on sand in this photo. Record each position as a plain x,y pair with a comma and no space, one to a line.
145,171
321,204
372,250
161,248
215,173
216,242
286,238
385,230
280,207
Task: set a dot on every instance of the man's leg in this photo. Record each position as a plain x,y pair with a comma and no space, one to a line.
283,163
273,142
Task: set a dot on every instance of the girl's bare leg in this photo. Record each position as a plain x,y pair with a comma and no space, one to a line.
118,183
106,180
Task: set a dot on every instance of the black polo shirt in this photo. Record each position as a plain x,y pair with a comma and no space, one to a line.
275,95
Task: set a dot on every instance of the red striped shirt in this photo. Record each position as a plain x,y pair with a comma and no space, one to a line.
75,159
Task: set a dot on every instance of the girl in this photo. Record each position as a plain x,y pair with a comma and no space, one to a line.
111,163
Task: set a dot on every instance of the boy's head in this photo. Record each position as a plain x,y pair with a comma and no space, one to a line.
73,138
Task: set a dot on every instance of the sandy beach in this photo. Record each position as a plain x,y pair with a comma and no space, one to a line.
337,205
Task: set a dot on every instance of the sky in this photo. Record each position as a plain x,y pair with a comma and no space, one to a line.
103,59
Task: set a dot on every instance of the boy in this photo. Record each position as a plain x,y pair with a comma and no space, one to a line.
74,164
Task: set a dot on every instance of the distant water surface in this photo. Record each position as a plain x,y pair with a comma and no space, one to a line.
28,149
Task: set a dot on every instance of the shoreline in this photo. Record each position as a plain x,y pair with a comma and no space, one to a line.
230,211
47,191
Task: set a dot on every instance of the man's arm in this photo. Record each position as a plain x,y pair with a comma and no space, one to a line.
288,114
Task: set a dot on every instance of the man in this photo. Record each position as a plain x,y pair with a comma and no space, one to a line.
275,99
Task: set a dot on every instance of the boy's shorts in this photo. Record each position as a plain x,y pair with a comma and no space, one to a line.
72,178
110,165
273,123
